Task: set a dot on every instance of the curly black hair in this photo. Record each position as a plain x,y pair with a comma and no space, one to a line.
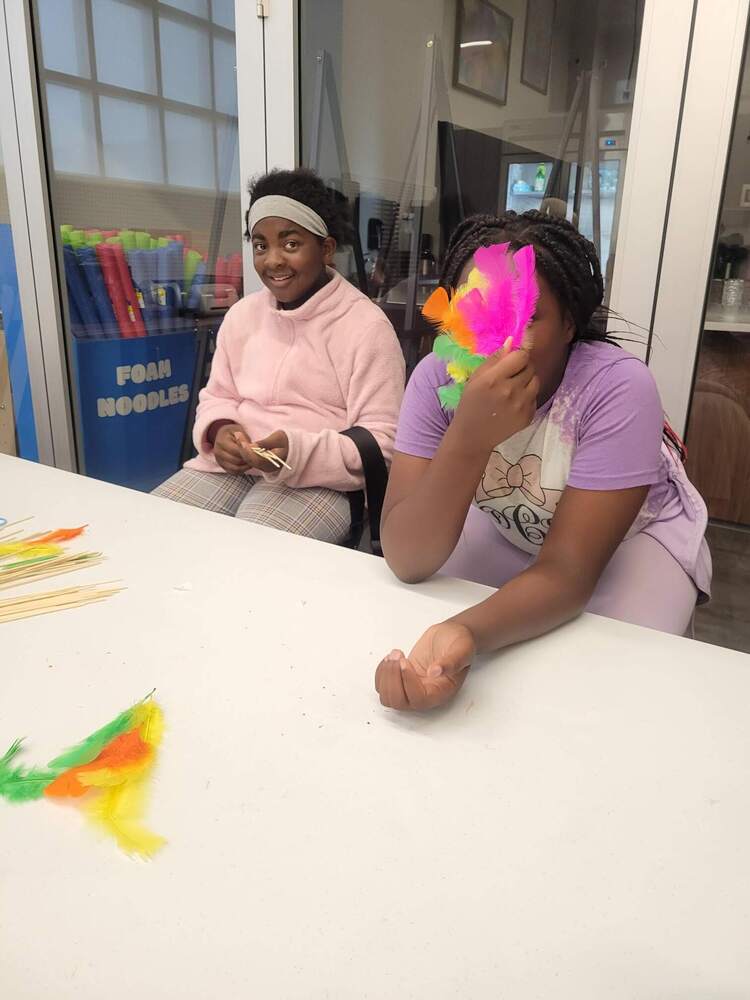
304,185
564,256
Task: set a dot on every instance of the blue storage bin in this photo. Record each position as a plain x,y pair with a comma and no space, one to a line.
134,401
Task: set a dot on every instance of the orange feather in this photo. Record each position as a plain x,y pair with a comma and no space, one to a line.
125,749
437,306
440,308
61,535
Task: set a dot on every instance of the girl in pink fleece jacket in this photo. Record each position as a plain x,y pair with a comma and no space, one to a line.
295,364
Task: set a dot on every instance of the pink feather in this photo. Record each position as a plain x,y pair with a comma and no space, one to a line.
492,260
527,291
490,312
505,306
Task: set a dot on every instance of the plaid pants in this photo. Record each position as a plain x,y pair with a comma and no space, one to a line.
313,512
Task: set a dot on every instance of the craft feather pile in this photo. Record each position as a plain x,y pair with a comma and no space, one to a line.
107,774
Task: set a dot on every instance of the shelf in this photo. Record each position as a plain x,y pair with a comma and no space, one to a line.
717,323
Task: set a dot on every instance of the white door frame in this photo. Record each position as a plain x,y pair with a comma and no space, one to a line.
657,103
700,168
24,176
266,96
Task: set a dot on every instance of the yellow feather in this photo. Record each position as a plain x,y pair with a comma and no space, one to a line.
457,372
28,551
118,811
105,777
475,280
150,719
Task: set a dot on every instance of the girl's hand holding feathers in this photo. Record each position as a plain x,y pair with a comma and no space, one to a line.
499,400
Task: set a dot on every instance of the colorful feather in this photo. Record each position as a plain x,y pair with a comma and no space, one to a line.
527,294
61,535
22,784
123,751
496,305
36,548
85,751
28,550
118,811
106,771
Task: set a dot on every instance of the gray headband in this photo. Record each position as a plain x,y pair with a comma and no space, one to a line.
287,208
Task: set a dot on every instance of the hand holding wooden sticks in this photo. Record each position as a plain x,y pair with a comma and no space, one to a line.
271,457
272,450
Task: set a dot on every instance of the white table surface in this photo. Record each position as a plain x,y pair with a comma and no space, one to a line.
575,825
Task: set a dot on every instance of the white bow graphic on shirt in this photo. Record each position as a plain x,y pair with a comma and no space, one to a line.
502,477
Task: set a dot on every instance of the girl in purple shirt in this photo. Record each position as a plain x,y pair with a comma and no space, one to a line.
552,481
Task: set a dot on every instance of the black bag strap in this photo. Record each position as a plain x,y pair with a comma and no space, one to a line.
376,481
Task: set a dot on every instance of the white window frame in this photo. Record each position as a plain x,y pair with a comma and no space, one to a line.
266,65
20,123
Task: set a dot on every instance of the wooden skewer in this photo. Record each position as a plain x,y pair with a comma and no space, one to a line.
9,536
14,524
16,565
272,457
92,588
52,567
269,457
46,609
41,604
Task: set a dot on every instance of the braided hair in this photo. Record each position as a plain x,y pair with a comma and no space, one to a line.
564,256
566,259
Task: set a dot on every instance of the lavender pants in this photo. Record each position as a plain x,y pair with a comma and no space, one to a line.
642,584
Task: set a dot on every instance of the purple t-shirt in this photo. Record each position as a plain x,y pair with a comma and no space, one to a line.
601,430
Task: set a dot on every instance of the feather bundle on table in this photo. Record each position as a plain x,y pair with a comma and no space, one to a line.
495,306
35,547
108,772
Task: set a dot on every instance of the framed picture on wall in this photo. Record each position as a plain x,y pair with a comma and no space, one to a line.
481,54
537,44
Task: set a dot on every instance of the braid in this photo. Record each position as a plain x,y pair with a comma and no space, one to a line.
474,232
564,257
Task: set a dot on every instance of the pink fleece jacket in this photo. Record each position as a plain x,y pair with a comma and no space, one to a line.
333,363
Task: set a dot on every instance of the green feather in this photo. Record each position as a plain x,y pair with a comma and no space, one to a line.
88,749
20,784
446,348
450,395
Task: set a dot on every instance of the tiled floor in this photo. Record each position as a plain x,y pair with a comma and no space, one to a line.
725,621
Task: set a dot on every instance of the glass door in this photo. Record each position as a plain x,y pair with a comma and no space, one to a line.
718,433
421,114
140,118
